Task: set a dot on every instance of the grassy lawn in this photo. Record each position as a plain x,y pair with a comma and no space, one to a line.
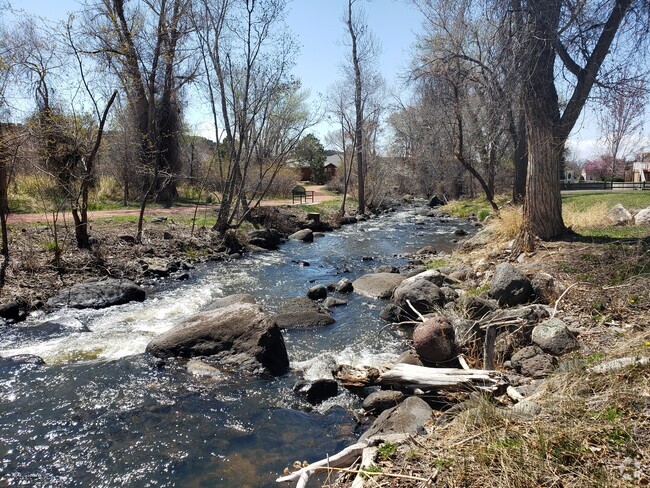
631,199
585,212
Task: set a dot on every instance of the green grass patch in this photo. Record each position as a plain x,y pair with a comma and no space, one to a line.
617,232
477,206
437,263
631,199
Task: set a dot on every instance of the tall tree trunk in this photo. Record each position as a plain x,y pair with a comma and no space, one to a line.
4,203
521,159
358,108
543,203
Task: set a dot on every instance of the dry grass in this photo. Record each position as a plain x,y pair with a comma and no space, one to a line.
506,225
578,218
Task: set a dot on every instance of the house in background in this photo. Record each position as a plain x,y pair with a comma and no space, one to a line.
641,167
331,165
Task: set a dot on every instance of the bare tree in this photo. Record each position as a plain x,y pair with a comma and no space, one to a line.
621,118
143,43
578,37
258,109
363,51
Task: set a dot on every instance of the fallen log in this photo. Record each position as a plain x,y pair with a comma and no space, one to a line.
412,376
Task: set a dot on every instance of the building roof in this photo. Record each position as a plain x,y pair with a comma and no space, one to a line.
335,160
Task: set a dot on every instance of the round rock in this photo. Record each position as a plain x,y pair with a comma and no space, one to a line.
434,339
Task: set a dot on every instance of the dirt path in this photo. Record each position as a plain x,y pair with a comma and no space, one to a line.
320,196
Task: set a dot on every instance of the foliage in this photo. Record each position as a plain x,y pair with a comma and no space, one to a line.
310,150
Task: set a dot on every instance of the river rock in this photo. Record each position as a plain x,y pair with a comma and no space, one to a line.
436,201
618,215
531,361
422,295
410,357
381,400
344,286
304,235
317,292
231,300
241,334
303,320
510,286
15,310
434,339
317,391
377,285
554,337
330,302
98,294
546,288
393,313
642,217
265,238
299,305
408,418
476,308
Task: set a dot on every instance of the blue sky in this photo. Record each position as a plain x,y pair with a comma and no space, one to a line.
321,34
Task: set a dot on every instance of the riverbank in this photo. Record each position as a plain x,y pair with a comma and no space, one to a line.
580,418
44,258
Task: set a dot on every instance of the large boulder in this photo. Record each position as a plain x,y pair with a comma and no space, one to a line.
241,334
554,337
434,339
643,217
377,285
408,418
510,286
300,304
420,293
265,238
304,235
231,300
98,294
618,215
317,292
308,319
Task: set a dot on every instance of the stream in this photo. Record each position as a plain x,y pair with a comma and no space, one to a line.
102,413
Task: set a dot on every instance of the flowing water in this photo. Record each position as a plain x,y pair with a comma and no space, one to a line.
101,413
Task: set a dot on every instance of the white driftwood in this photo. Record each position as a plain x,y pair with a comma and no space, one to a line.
344,458
618,364
514,394
367,459
443,378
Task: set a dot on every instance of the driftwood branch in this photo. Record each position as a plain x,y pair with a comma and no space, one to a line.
344,458
408,375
